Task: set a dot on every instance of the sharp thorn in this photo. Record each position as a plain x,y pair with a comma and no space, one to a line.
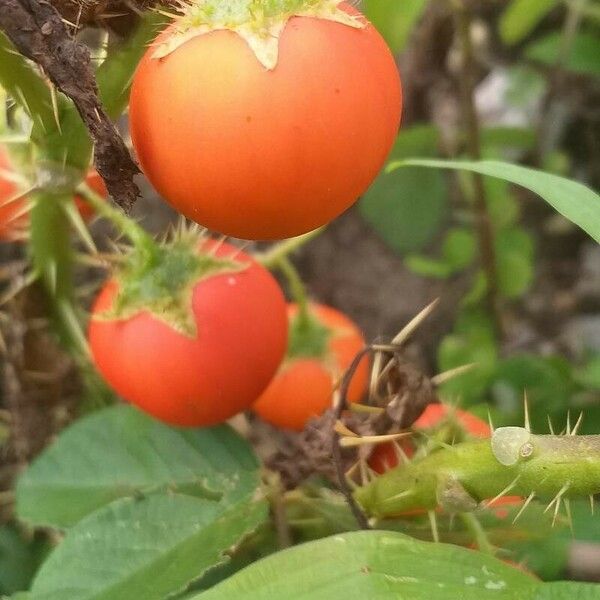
505,491
434,528
526,412
577,424
550,427
441,378
525,505
414,323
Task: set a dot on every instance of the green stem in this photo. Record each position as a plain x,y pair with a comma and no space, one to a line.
478,532
297,288
140,238
271,258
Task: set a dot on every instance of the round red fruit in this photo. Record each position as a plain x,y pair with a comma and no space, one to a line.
273,140
206,371
319,353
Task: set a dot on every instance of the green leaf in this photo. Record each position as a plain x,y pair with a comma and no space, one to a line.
584,57
459,248
119,452
407,208
149,548
25,86
472,342
567,590
394,19
382,565
19,559
577,202
521,17
428,267
515,261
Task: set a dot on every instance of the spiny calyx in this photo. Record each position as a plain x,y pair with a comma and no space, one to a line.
259,22
162,281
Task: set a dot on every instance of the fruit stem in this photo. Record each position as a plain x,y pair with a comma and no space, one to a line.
140,238
297,289
271,258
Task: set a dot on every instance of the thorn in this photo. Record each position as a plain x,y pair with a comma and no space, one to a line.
404,494
441,378
568,432
79,225
578,424
238,250
490,422
54,100
343,430
354,441
592,503
400,454
505,491
525,505
352,470
218,243
374,376
434,528
526,412
550,424
569,515
412,325
556,501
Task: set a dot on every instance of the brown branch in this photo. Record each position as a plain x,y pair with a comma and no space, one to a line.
485,231
336,451
39,33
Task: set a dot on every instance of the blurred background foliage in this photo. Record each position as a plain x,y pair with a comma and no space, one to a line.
413,236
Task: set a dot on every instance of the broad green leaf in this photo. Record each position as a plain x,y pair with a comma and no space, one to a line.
567,590
407,208
149,548
458,251
377,565
20,556
515,262
119,452
584,56
394,19
472,342
428,267
577,202
521,16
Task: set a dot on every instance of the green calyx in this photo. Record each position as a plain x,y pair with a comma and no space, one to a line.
161,281
308,337
259,22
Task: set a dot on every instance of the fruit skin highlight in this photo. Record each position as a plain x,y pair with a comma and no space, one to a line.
205,378
266,154
303,387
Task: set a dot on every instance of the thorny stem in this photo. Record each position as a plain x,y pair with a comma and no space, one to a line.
547,130
485,231
478,532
